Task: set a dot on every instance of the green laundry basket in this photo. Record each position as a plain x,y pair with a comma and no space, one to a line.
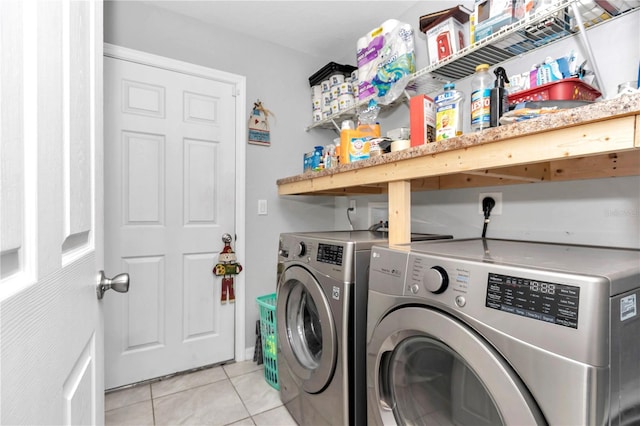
267,305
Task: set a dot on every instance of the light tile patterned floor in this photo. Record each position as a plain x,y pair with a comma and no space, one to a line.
233,394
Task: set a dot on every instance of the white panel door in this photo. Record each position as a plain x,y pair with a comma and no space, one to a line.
51,338
170,196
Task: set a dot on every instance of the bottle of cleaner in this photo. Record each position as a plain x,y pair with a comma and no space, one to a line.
499,97
346,131
449,112
481,85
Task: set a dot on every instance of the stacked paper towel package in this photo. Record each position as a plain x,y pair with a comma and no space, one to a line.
386,57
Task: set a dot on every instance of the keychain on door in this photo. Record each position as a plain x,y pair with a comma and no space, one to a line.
227,267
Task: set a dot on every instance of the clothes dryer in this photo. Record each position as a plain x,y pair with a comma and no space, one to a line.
321,324
488,332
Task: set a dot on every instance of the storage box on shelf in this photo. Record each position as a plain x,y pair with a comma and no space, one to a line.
489,16
447,32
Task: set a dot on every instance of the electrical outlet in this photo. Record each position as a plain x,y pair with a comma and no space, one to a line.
378,212
352,206
497,197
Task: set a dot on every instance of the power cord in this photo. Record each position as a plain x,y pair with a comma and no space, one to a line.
488,204
350,209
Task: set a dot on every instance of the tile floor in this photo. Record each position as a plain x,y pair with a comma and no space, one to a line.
233,394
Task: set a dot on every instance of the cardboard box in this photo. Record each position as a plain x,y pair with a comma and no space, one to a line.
445,39
489,16
422,120
446,31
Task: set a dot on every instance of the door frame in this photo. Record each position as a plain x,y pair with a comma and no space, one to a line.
143,58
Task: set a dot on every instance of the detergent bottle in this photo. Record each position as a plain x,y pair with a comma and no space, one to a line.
481,85
449,112
355,143
347,131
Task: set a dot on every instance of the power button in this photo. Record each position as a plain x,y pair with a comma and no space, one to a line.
461,301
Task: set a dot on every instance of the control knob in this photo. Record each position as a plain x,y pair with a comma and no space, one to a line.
302,249
436,280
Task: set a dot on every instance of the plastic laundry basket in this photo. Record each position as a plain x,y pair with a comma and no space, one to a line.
267,305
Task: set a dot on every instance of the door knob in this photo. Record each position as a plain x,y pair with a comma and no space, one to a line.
119,283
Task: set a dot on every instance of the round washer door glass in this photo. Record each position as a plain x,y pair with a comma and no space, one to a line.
306,330
429,383
304,327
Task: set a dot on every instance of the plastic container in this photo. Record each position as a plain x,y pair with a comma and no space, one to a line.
316,162
449,115
354,143
568,89
328,70
346,130
269,338
481,86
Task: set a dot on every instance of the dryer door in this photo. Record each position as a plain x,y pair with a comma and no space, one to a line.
306,329
425,367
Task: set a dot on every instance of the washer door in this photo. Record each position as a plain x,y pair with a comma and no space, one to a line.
306,330
424,367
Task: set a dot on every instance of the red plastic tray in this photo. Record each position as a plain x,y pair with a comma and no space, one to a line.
568,89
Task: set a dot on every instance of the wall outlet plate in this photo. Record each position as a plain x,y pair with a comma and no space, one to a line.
352,206
378,212
497,196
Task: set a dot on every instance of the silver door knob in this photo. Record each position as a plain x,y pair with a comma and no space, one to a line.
119,283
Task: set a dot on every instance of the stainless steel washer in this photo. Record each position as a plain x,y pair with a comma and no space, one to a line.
321,324
486,332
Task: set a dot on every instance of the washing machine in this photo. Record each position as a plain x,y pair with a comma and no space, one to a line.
321,324
489,332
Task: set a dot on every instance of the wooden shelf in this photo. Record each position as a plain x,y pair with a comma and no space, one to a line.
596,141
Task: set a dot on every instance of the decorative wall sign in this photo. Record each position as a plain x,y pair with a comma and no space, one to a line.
259,125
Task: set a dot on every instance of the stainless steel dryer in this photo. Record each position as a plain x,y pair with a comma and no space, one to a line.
486,332
321,324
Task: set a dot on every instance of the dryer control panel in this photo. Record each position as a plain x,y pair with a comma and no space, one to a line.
545,301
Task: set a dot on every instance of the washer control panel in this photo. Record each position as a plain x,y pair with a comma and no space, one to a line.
330,253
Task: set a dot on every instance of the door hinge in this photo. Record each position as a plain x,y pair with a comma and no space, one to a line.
235,92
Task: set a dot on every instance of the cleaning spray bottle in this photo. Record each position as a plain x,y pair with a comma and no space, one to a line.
499,97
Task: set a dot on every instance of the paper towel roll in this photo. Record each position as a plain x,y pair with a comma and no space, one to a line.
399,145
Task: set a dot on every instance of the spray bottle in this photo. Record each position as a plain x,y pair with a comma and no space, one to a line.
499,97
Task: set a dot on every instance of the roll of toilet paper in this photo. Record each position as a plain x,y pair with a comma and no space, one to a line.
399,145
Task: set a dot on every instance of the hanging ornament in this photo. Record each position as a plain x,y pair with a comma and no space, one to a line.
259,125
226,268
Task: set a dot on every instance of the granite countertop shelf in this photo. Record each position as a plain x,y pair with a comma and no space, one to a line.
594,141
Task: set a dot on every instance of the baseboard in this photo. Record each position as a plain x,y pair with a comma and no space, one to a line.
248,354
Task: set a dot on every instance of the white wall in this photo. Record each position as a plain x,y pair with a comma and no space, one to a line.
603,211
276,76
